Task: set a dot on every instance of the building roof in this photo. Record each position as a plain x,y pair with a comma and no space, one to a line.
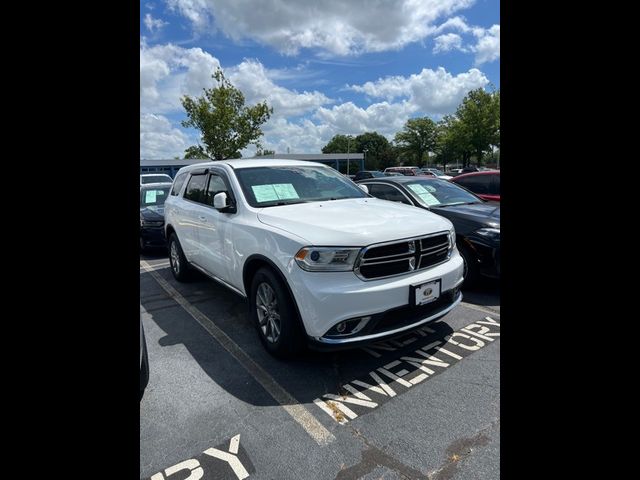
170,162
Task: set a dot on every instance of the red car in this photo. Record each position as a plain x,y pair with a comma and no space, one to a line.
485,184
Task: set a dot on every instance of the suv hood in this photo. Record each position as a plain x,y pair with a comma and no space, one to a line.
353,222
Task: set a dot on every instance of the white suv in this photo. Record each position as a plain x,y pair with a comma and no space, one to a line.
321,261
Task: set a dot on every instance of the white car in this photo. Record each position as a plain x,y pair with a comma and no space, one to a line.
155,178
438,173
322,262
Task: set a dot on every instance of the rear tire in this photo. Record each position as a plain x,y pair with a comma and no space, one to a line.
274,315
180,268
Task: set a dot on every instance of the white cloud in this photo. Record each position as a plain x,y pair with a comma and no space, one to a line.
488,47
434,92
168,72
196,11
159,139
255,83
447,42
337,27
153,23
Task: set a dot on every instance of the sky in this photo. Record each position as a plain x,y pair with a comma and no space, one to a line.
326,67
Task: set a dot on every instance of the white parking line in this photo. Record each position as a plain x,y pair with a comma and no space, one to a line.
298,412
154,266
480,309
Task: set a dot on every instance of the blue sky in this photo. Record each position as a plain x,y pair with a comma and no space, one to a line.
325,66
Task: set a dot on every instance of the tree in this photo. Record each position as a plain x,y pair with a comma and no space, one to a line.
377,149
195,151
417,138
340,144
262,153
226,125
479,114
452,141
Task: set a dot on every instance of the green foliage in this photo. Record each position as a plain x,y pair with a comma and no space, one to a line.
195,151
340,144
261,153
226,125
377,149
479,115
417,137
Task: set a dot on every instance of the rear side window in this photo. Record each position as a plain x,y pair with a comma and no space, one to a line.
195,188
495,185
476,183
177,184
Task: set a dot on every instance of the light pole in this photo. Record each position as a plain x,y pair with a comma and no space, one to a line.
364,151
348,161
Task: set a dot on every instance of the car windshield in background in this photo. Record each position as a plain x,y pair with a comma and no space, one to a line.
270,186
436,171
377,174
153,196
440,193
155,179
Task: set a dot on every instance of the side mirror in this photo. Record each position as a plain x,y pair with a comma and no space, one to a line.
364,188
220,201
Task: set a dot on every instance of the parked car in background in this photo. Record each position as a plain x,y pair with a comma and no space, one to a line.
476,221
411,171
319,260
437,173
144,361
155,178
362,174
152,198
484,184
393,174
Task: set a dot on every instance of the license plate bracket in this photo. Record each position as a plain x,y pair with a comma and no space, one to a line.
424,293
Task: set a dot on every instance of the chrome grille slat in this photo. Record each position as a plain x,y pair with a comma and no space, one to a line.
370,266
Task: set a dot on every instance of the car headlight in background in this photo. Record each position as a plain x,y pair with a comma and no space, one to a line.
151,223
489,233
327,259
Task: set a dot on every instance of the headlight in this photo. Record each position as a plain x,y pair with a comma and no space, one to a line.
327,259
452,239
151,223
489,233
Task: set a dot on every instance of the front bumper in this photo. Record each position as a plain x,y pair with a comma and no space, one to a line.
153,236
325,299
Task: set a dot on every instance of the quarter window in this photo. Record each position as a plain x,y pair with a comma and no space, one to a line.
387,192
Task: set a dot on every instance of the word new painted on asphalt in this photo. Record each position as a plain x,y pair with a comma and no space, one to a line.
398,376
222,462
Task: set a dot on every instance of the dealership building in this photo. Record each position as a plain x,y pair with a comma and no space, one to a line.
343,162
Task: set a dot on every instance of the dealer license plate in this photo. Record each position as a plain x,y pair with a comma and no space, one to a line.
427,292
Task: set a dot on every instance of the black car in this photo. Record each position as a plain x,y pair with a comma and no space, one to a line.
152,197
476,221
362,174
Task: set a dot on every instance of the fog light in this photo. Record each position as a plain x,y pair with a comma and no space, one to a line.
341,327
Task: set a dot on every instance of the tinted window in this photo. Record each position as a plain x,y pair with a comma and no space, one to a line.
476,183
271,186
387,192
195,188
495,185
439,192
177,185
155,179
153,196
216,185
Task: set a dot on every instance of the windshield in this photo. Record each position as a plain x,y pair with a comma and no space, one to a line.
270,186
435,171
377,174
155,179
153,196
440,193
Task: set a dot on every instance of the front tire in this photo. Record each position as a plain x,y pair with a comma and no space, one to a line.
274,315
471,272
179,266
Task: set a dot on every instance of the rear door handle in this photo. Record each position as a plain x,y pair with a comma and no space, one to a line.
202,218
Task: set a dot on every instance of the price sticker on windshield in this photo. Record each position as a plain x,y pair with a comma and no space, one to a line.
150,196
424,194
274,191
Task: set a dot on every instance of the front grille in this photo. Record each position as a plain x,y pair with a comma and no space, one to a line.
401,257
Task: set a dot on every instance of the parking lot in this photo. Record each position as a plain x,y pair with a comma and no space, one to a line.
424,405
